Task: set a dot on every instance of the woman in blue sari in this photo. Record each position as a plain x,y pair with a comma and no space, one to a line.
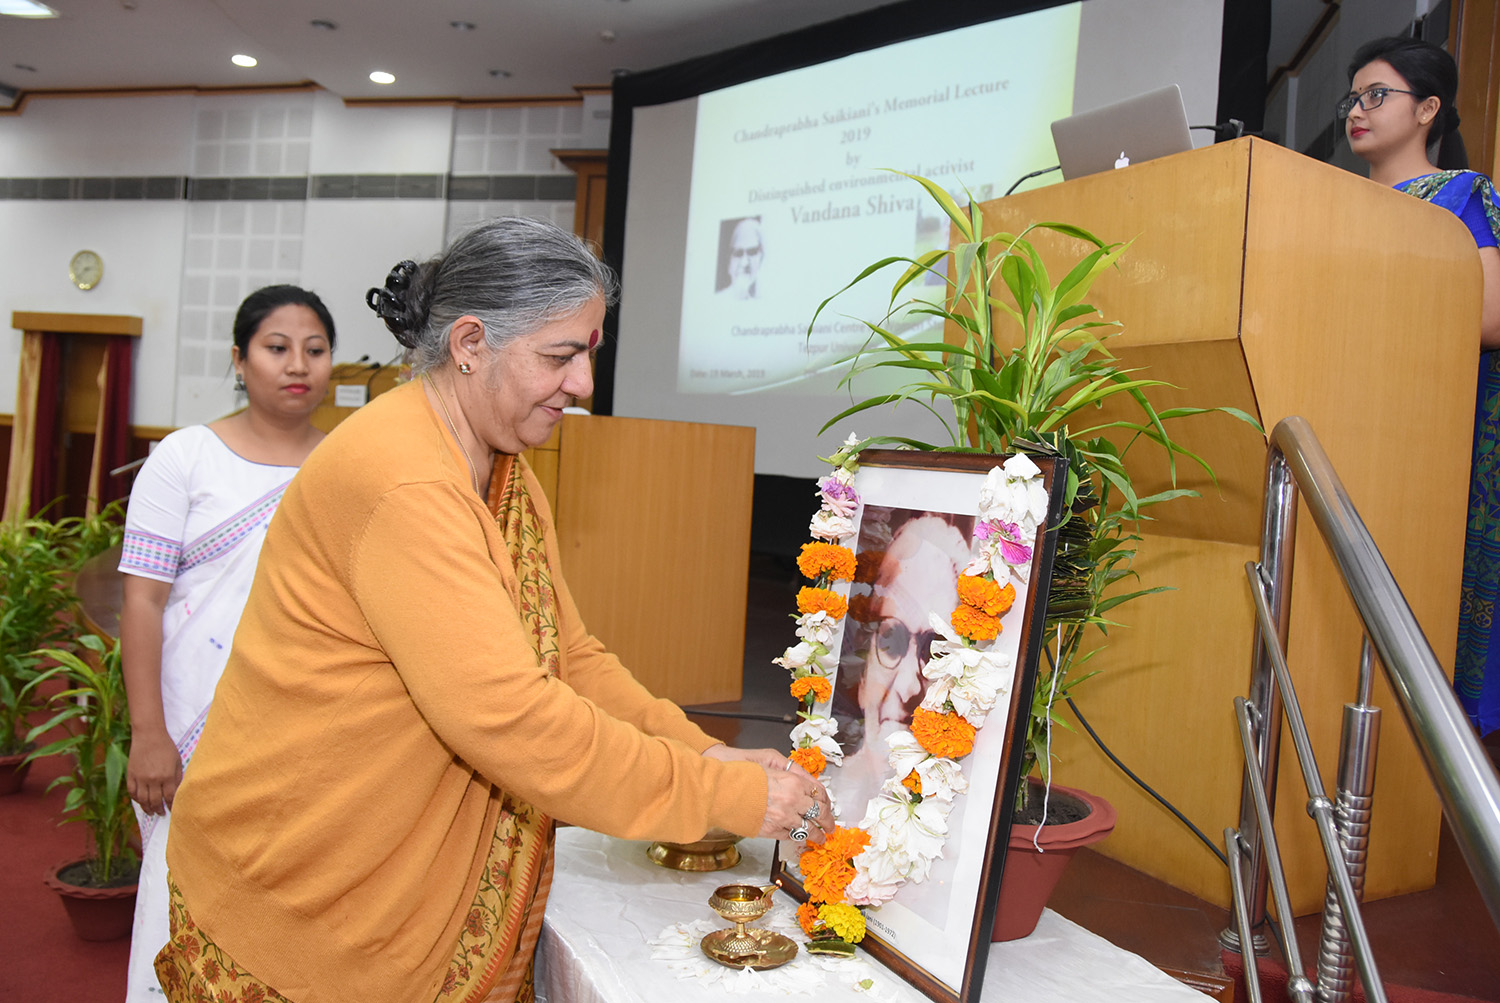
1399,118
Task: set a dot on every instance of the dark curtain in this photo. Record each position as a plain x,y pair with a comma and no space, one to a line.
114,445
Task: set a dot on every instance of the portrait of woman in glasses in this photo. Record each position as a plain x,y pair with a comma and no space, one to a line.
1399,117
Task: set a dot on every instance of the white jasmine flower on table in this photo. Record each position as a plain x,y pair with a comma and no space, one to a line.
817,628
818,730
941,778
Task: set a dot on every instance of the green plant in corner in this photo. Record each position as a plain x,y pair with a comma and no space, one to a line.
1042,394
34,595
93,713
38,558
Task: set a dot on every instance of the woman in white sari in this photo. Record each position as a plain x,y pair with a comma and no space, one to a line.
198,513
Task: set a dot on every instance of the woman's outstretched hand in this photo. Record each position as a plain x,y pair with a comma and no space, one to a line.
791,793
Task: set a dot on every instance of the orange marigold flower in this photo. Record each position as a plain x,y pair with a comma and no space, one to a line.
1007,599
862,607
974,624
810,600
825,875
945,735
819,686
810,759
846,843
818,559
912,782
807,917
981,593
867,566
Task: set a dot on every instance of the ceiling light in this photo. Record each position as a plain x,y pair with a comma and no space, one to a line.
382,77
240,59
500,74
461,25
323,24
26,8
607,35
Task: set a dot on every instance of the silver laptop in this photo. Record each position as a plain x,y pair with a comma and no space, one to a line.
1144,127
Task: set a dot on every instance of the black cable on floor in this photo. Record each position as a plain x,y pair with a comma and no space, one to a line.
1143,785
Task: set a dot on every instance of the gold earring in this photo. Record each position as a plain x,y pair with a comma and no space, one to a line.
465,368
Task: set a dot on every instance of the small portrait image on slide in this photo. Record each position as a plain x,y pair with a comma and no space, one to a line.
741,253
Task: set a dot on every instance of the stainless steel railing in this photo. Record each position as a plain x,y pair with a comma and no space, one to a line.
1456,762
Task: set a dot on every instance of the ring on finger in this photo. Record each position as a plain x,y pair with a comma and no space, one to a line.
799,833
812,812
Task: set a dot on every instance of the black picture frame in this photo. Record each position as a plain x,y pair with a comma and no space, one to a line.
929,959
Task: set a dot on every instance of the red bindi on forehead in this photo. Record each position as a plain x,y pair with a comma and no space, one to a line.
593,338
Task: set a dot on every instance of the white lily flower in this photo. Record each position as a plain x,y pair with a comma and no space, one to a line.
799,656
830,525
817,628
909,834
818,731
1021,467
941,778
865,889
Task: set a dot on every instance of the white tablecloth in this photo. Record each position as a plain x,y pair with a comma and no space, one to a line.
620,929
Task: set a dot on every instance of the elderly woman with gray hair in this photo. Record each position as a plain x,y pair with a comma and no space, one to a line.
411,699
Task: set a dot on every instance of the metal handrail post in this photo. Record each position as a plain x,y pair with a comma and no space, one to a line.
1274,569
1358,742
1456,761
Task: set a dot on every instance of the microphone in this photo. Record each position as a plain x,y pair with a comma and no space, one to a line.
1232,129
1033,174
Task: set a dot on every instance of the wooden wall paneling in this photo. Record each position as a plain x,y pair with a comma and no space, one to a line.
1163,702
654,525
1475,27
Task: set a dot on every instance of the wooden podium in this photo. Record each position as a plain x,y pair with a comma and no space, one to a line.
1262,279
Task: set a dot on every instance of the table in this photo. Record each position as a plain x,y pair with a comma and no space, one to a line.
602,942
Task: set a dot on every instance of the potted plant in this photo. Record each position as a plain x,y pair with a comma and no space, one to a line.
99,890
34,595
1034,383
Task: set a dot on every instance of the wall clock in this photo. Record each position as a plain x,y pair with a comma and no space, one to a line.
86,269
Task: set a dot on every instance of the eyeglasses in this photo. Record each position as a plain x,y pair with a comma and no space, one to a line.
1369,100
893,639
740,252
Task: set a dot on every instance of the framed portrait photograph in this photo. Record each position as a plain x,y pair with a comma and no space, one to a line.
915,534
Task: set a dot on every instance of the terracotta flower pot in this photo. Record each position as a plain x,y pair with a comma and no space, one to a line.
96,913
1030,875
13,770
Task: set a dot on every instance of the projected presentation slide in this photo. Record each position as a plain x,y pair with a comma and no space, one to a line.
789,201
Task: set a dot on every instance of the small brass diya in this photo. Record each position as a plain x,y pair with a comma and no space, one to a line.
745,946
714,852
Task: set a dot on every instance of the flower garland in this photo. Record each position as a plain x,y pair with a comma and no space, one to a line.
906,824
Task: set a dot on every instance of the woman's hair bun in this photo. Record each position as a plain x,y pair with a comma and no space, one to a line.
402,302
